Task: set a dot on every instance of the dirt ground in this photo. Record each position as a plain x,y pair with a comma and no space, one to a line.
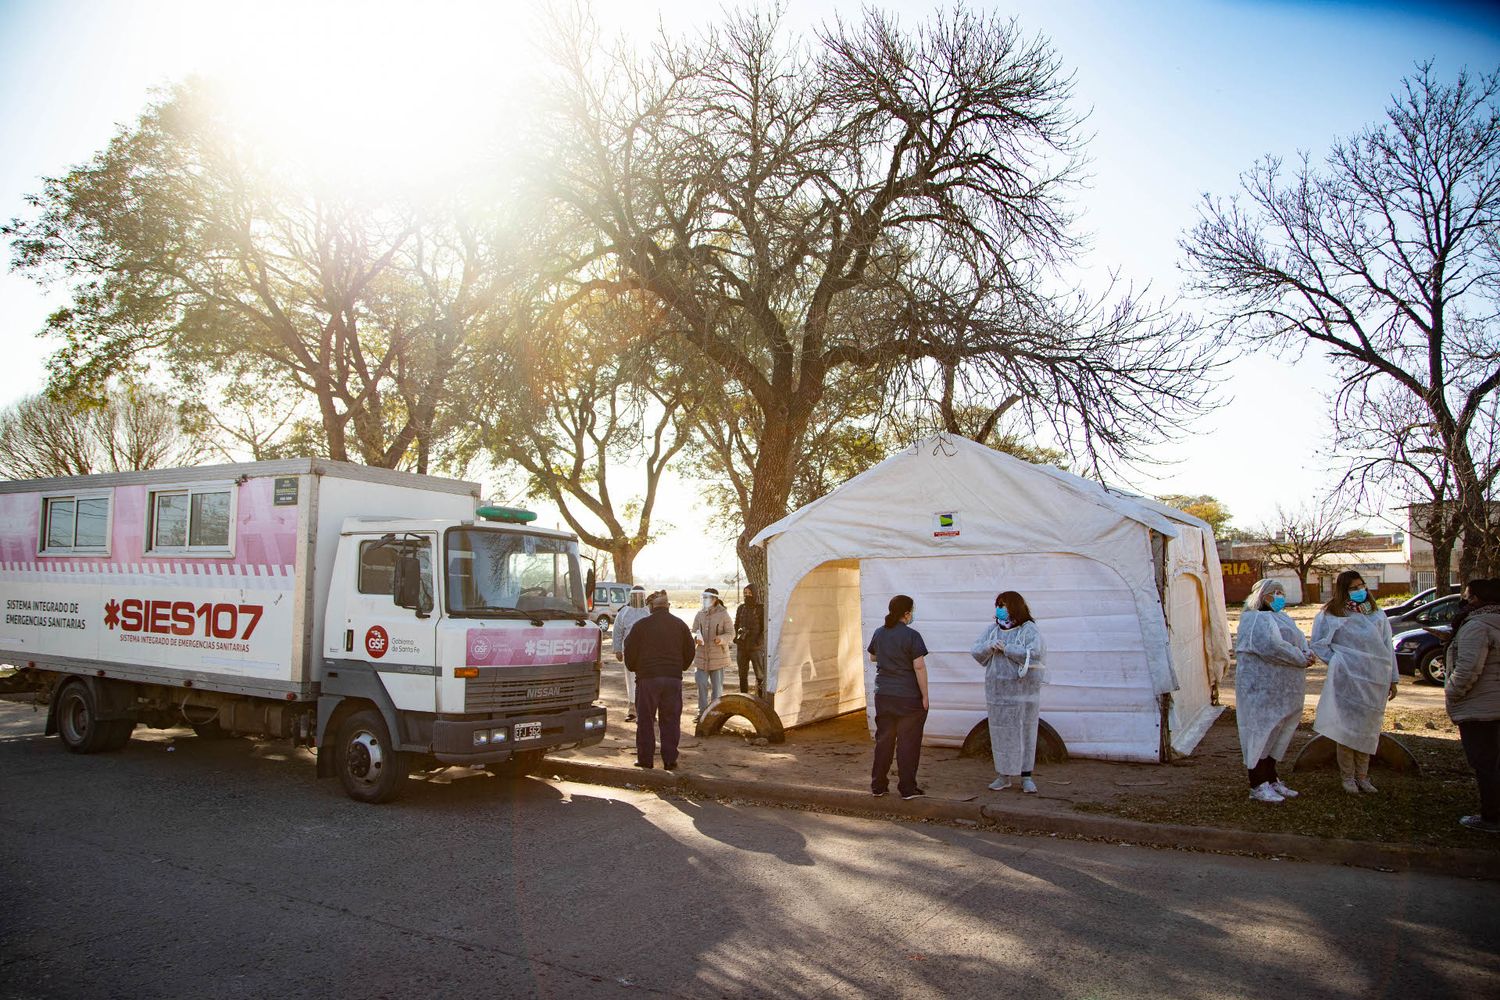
1205,788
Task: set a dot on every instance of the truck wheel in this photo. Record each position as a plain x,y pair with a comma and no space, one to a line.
78,722
521,764
1431,668
369,765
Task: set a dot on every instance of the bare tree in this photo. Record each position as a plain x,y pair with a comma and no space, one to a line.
1302,540
1385,256
185,243
855,202
582,404
131,428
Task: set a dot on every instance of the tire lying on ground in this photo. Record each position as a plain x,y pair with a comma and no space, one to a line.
754,711
1050,748
1392,753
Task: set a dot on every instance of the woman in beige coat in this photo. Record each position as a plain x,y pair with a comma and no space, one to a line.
713,630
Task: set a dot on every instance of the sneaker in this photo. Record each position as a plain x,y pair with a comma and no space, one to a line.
879,795
1282,790
1479,823
1363,784
1263,792
1350,786
671,767
914,795
630,717
1028,786
645,766
1000,784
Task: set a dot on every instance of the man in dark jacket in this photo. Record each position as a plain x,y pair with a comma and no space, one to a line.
658,649
750,641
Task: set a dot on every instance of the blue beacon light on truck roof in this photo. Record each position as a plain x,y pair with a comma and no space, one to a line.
509,515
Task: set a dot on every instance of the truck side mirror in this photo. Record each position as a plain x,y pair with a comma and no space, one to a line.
588,590
407,586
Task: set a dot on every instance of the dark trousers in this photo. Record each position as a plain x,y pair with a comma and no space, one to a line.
658,700
898,733
1263,771
1481,742
747,658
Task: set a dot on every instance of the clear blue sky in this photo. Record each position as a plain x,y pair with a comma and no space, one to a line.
1184,96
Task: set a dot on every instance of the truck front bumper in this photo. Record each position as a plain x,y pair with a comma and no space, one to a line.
491,741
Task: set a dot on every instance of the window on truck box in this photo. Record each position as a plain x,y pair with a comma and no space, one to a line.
503,572
191,517
75,523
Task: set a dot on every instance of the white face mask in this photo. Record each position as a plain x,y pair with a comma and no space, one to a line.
708,602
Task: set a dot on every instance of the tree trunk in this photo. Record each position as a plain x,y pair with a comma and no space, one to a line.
622,555
1442,566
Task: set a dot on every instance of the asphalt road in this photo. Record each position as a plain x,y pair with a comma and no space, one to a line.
186,868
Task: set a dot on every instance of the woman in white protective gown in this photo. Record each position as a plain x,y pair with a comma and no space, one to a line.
1011,651
1353,637
1270,678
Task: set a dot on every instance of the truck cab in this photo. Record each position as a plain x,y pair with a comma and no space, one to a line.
462,642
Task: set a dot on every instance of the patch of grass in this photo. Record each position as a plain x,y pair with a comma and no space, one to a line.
1421,810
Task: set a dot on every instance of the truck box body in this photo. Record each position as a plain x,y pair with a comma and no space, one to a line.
238,606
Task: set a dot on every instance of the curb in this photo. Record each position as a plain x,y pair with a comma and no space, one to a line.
1456,861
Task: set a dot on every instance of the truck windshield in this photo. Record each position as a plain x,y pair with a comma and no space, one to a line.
499,573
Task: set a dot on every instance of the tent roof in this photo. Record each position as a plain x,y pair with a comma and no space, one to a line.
909,477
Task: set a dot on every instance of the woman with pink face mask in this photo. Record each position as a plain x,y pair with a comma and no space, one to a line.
1353,637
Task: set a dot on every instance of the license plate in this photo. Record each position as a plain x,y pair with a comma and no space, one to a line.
528,730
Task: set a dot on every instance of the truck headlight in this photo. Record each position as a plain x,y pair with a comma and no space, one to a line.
481,737
593,722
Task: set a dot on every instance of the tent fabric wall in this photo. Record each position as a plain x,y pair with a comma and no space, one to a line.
1083,551
1098,694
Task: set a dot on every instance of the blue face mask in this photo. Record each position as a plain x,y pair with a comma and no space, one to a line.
1002,615
1359,596
1278,602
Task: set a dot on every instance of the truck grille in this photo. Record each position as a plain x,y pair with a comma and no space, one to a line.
501,691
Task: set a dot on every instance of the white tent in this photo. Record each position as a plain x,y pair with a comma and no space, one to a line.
1127,592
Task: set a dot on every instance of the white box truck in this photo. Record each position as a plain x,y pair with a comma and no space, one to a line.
383,617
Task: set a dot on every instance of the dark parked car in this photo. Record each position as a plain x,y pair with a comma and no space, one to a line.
1411,603
1420,652
1438,612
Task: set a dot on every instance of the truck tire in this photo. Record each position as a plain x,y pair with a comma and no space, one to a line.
521,763
369,765
1432,669
78,723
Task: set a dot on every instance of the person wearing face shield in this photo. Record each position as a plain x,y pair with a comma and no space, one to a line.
1010,648
1271,658
1353,637
634,610
713,630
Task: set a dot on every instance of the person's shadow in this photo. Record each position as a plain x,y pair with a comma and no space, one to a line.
745,829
